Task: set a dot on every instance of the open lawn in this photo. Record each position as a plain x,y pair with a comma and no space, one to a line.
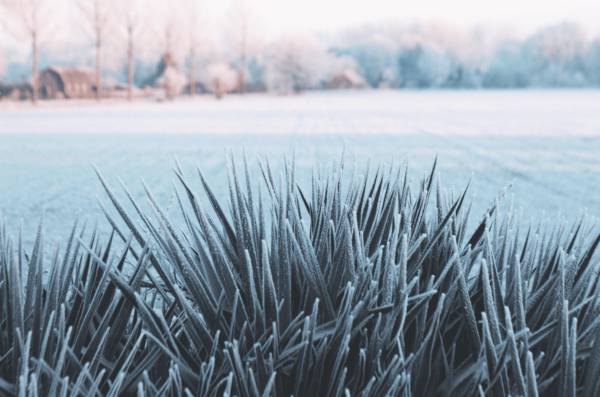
547,141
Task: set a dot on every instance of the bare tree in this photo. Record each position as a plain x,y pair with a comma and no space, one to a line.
2,65
35,20
97,17
198,25
244,34
132,19
171,39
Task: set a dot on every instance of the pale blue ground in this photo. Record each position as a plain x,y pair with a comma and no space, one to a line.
544,141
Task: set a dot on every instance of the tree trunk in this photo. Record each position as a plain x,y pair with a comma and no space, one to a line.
192,72
130,66
98,69
218,91
34,76
244,74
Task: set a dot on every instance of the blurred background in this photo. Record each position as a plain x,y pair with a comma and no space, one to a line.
69,48
504,91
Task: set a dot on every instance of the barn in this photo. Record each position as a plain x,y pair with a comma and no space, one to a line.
57,82
346,79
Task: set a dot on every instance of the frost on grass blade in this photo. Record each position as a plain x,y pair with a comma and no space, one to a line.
357,289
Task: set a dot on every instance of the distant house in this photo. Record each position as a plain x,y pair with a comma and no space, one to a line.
346,79
8,92
16,92
59,82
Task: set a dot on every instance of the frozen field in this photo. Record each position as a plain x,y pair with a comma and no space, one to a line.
547,141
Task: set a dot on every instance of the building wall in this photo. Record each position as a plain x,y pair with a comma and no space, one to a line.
50,85
66,84
339,82
80,89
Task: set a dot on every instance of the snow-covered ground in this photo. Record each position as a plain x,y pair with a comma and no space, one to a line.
547,141
512,113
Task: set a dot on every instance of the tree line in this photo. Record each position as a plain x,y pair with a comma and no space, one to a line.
125,40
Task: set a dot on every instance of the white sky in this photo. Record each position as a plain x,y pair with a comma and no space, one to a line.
525,16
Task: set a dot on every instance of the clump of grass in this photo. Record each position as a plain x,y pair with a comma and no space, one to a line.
369,290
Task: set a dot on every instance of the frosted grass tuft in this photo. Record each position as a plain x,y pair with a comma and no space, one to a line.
366,290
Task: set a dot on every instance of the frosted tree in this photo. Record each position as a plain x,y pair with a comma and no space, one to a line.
3,65
557,55
38,21
557,44
375,49
97,17
509,68
132,21
198,28
244,34
209,52
221,79
172,41
376,57
172,30
297,61
172,81
593,62
552,57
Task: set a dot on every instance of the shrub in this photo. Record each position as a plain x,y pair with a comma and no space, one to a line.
368,290
296,63
221,79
